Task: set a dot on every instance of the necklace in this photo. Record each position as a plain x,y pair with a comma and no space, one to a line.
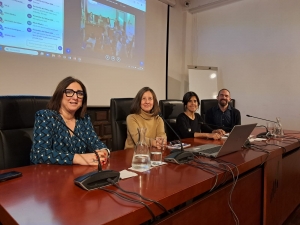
192,117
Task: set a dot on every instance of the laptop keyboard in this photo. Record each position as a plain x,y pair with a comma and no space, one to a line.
211,150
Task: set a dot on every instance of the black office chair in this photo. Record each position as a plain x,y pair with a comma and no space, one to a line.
119,110
170,109
17,115
206,104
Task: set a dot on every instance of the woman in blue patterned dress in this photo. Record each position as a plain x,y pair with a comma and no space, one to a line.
63,133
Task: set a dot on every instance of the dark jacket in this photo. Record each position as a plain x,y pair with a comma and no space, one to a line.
234,114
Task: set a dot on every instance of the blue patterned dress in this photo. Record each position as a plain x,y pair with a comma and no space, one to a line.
52,142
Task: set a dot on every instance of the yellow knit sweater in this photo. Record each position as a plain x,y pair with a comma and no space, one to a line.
154,124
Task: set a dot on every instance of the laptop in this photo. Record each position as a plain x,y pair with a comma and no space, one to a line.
234,142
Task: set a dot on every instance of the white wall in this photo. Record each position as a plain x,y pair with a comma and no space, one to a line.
255,45
176,69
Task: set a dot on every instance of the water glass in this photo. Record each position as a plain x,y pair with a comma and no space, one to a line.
155,153
161,143
270,128
277,130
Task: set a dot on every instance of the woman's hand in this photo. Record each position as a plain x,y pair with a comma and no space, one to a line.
103,154
160,143
219,131
91,158
214,136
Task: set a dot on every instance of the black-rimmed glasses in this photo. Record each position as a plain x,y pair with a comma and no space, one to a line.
70,93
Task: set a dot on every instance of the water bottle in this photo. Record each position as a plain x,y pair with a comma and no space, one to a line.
141,155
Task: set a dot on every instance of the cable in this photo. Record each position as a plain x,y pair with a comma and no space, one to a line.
266,144
122,196
225,164
291,137
211,165
207,170
284,149
130,199
261,150
236,219
139,195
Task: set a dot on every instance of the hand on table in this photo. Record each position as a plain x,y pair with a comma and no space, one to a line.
91,158
219,131
214,136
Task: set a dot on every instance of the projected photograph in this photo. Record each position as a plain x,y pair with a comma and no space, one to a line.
103,32
107,30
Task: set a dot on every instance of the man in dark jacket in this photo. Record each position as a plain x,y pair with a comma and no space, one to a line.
223,116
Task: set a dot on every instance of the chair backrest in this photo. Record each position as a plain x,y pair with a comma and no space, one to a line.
119,110
206,104
17,115
170,109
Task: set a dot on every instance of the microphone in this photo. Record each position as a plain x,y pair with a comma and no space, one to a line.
94,179
261,118
177,156
263,134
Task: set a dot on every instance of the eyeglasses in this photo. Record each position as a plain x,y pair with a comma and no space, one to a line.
70,93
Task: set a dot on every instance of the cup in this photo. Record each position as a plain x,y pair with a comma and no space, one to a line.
161,143
277,130
270,127
155,153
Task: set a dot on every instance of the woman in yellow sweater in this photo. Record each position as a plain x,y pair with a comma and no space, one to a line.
144,113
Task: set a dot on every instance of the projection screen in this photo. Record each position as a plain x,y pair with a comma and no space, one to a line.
114,47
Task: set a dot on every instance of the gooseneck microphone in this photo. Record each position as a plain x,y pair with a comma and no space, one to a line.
94,179
261,118
177,156
263,134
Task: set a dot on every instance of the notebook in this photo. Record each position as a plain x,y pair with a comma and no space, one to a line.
234,142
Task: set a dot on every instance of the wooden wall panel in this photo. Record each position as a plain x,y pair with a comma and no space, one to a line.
100,117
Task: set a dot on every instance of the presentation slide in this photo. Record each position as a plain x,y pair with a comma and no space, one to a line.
105,32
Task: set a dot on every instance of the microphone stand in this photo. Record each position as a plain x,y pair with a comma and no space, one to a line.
261,119
263,134
94,179
177,156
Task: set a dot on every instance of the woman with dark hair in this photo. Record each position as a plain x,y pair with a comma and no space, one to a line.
190,124
53,142
144,113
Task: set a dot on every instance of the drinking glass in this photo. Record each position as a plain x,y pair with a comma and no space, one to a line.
140,159
161,142
270,128
155,153
277,130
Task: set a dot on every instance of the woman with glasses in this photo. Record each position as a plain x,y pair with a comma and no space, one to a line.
190,124
63,133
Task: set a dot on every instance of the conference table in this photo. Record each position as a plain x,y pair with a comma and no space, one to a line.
266,191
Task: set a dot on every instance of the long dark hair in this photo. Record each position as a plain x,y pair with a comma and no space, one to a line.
136,104
187,96
55,101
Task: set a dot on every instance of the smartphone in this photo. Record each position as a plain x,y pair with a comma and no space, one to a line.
9,175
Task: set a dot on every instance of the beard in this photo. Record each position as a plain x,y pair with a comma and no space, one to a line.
223,102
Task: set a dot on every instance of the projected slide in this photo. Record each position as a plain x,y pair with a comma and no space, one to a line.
109,32
35,26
